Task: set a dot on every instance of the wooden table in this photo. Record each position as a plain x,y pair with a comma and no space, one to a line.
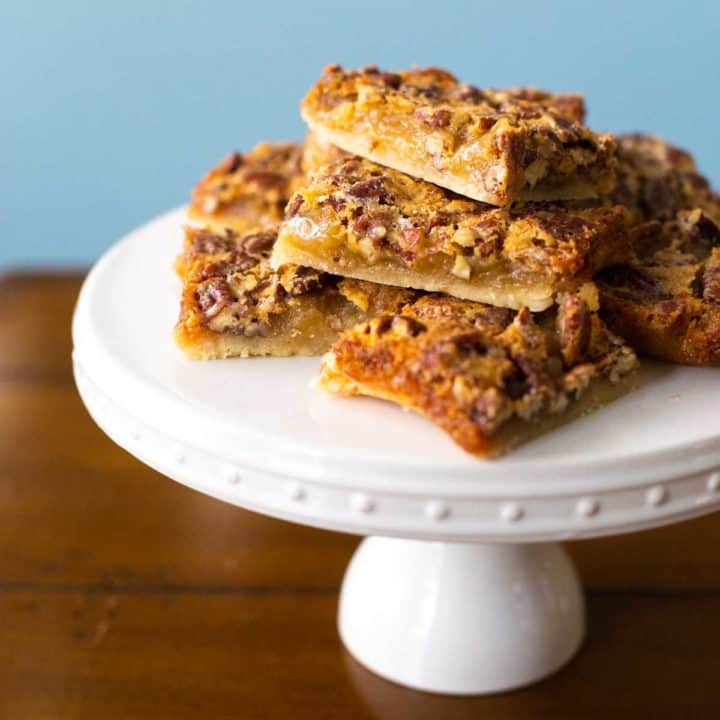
125,595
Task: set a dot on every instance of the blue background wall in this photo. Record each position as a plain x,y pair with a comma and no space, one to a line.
109,111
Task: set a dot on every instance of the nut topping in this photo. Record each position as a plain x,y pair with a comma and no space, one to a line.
574,326
213,297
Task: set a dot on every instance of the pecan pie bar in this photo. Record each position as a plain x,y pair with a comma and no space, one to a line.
490,377
235,304
497,146
656,180
358,219
248,191
667,302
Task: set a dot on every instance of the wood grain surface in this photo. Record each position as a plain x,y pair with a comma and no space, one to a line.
125,595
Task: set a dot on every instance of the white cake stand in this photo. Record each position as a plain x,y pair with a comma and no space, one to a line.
462,586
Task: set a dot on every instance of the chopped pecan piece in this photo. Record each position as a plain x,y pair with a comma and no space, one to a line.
248,191
304,280
293,206
213,296
372,189
574,328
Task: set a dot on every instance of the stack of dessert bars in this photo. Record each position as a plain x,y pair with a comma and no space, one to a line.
481,257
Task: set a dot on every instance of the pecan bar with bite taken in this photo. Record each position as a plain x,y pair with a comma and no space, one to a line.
497,146
359,219
235,304
666,303
247,191
490,377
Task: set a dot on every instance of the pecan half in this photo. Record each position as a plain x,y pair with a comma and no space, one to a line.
573,326
259,244
336,202
292,208
206,242
490,410
213,296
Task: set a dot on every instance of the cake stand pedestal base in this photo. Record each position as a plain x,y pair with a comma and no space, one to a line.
461,618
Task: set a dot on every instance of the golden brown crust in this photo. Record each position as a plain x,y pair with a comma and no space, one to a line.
359,219
657,179
488,377
493,146
248,191
667,302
